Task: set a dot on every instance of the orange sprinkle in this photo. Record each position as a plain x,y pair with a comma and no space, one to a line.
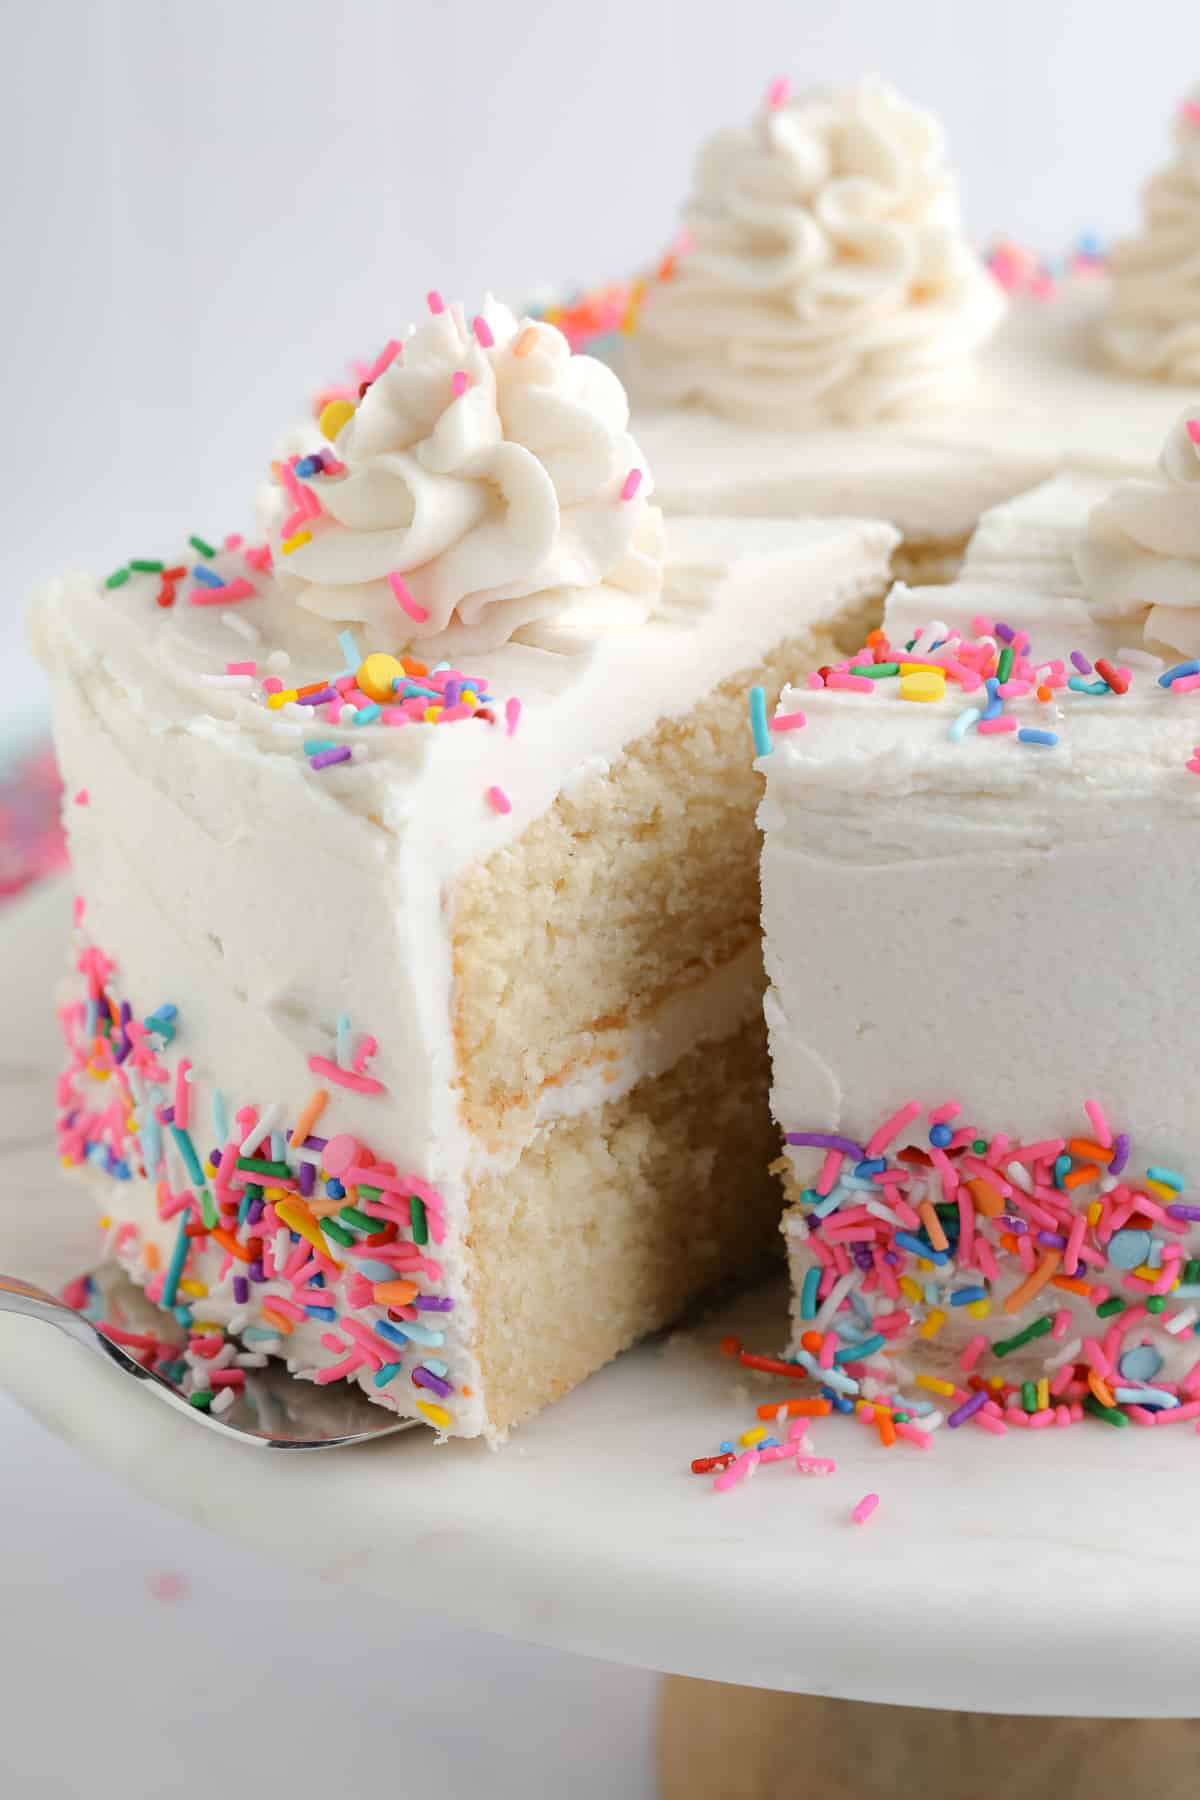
1046,1270
729,1346
1101,1389
1094,1152
1070,1285
885,1427
310,1112
1081,1176
933,1225
228,1242
394,1293
277,1319
796,1409
525,341
877,639
812,1341
1045,693
150,1256
411,666
985,1197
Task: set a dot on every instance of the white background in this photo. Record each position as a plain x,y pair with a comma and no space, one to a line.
207,208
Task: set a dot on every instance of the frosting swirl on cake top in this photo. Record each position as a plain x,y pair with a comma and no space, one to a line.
485,479
1153,327
1141,552
828,276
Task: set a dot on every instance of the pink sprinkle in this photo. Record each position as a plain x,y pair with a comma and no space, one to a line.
259,556
385,359
238,589
988,1423
858,684
483,331
815,681
399,588
234,540
1099,1123
241,668
789,721
864,1509
435,302
81,798
989,727
892,1127
168,1586
972,1354
631,484
512,712
182,1094
358,1084
815,1465
738,1470
940,1115
497,798
1190,111
460,381
777,93
1185,683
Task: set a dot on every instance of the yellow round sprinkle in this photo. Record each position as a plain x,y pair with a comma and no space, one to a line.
469,697
431,713
376,675
334,416
979,1309
922,684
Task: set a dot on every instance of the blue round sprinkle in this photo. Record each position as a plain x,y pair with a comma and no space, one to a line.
1128,1249
941,1135
1141,1363
334,1188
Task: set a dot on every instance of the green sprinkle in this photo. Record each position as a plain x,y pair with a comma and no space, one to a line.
208,1209
1004,663
1191,1272
338,1233
420,1224
203,1400
1156,1303
901,1418
1109,1307
259,1165
1038,1329
980,1146
199,544
875,671
118,578
364,1222
145,565
371,1193
1029,1396
1112,1415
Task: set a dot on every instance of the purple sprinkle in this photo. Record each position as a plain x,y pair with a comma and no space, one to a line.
824,1140
308,1178
214,1157
966,1411
312,1143
433,1303
1120,1153
241,1290
453,692
256,1272
166,1115
1053,1240
255,1211
427,1379
1178,1211
123,1047
1081,662
324,758
1004,632
317,699
863,1257
1013,1224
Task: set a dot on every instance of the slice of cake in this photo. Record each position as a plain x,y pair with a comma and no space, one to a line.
993,811
414,1029
824,340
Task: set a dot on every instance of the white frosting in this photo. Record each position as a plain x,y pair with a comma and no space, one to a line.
1141,555
1153,328
265,899
495,504
828,277
970,895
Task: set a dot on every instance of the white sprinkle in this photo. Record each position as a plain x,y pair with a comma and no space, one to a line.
1020,1176
1180,1322
241,684
222,1401
277,661
834,1298
243,627
1067,1354
268,1120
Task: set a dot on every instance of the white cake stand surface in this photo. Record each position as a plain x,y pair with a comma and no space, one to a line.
1056,1572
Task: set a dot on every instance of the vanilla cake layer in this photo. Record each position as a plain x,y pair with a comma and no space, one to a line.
290,931
1043,400
991,1152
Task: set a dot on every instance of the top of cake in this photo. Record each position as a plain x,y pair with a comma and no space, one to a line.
825,275
1153,328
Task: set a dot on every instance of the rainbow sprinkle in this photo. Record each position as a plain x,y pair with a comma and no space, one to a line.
272,1228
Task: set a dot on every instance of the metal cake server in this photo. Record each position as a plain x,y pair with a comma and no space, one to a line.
274,1410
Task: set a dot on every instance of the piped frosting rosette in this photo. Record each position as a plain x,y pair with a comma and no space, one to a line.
1140,556
827,276
1153,325
485,479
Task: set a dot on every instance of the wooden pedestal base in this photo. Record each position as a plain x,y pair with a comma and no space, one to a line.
731,1743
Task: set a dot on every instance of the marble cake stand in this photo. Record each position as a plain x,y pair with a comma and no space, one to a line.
1048,1574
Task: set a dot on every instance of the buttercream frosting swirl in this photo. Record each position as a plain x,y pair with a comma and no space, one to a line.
1141,552
485,479
1153,324
827,274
